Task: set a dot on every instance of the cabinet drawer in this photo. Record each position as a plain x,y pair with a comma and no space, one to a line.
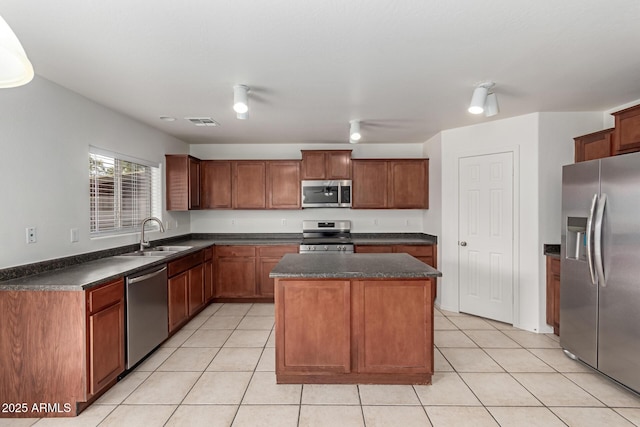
277,251
105,295
185,263
418,251
235,251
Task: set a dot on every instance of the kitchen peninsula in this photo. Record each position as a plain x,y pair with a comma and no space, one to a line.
354,319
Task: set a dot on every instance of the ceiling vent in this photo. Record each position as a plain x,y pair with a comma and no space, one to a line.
203,121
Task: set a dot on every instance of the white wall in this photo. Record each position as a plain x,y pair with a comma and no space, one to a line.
246,221
45,133
542,143
432,217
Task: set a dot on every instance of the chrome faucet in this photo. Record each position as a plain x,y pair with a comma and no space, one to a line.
144,243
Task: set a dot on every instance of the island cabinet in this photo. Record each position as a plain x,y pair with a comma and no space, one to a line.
425,253
183,182
354,331
553,293
60,349
186,288
326,164
242,271
594,145
627,134
390,184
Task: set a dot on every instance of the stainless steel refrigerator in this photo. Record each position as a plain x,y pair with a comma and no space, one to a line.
600,266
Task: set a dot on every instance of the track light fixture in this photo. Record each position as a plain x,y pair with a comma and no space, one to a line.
479,100
354,131
241,101
491,107
15,67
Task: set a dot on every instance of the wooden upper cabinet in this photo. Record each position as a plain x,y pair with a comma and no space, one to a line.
409,184
321,164
594,145
391,184
370,184
183,182
216,181
249,184
627,134
283,184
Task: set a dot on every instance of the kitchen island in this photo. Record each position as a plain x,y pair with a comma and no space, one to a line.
354,319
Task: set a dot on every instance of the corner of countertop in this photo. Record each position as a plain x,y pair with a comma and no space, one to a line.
551,250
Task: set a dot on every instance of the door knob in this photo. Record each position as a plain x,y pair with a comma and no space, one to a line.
463,243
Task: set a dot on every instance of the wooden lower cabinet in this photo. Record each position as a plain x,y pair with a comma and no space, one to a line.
209,278
553,293
105,335
178,300
242,271
186,288
354,331
62,348
425,253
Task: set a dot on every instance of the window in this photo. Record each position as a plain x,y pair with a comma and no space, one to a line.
122,192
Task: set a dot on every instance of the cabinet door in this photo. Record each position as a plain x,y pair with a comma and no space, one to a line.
178,300
394,326
627,134
313,165
283,185
194,183
216,184
249,185
106,346
235,277
196,289
369,184
317,337
338,164
408,184
553,294
268,257
208,281
594,145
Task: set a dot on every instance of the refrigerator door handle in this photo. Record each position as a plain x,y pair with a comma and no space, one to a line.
597,240
589,242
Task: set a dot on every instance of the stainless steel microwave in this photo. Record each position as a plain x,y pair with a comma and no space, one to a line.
326,194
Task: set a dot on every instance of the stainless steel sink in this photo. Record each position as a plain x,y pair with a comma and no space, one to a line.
169,248
151,253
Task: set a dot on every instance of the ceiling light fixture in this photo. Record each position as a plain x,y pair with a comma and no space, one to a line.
15,67
354,131
241,101
491,107
479,97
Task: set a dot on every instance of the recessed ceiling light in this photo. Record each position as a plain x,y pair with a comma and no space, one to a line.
167,118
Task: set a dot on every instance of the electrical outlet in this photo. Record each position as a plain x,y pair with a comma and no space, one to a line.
375,222
75,235
406,222
32,235
233,222
283,221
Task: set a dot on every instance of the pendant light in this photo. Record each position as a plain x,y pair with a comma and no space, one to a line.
354,131
15,67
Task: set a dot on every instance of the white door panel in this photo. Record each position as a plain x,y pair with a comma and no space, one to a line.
486,235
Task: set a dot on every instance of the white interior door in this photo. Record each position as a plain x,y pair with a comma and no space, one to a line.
485,235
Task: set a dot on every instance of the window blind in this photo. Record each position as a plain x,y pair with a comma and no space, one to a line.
122,191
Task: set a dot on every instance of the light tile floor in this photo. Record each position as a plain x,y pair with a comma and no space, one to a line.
219,371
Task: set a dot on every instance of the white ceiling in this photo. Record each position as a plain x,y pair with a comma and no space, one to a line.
406,68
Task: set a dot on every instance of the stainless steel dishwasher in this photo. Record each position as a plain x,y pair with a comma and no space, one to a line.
147,312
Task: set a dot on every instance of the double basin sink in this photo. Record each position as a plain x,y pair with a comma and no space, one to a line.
158,251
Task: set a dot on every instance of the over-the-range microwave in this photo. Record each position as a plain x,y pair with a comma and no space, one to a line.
326,194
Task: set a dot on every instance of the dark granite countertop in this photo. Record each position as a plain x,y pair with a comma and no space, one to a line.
552,250
82,272
348,266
